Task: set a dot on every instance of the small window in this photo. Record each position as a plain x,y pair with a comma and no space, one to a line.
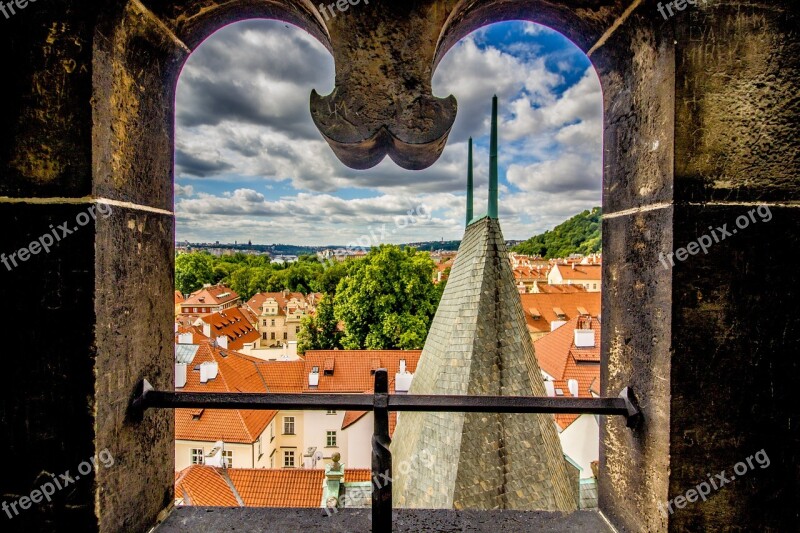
227,456
285,335
288,425
265,322
272,322
264,336
272,336
330,439
331,412
288,459
272,459
197,456
272,431
260,447
297,329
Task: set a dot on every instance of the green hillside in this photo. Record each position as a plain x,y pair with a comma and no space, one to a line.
578,235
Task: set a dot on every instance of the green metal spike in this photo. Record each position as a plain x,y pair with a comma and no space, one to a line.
493,163
469,184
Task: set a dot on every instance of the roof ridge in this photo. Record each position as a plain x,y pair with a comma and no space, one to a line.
224,475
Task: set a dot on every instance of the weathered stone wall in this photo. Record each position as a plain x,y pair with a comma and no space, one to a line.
701,118
479,345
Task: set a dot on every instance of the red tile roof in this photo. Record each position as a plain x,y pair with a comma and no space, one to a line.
521,272
233,324
580,272
179,297
265,487
236,373
559,289
352,369
545,304
560,358
215,295
284,376
204,485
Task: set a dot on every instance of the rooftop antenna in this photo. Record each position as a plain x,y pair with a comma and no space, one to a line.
493,163
469,184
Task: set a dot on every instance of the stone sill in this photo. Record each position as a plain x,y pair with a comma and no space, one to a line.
248,519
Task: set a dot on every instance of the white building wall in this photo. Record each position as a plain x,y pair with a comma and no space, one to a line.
316,424
581,442
359,442
242,453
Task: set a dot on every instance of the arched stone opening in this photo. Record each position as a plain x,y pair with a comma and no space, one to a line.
90,121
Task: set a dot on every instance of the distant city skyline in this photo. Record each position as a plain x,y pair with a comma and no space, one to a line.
250,165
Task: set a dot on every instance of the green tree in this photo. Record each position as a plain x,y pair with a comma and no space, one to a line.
192,271
580,234
241,281
388,300
329,279
320,331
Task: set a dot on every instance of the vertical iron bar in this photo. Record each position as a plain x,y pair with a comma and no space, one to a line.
381,457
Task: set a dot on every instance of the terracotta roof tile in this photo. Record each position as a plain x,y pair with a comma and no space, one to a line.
264,487
233,324
353,369
560,358
236,373
580,272
218,294
204,486
545,305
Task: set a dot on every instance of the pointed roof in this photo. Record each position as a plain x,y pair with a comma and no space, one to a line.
478,344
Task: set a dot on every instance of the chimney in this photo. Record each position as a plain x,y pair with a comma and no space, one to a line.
584,338
572,384
403,379
313,377
180,375
222,342
207,329
185,338
214,457
208,371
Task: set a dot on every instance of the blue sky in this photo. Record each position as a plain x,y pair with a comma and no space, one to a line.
250,165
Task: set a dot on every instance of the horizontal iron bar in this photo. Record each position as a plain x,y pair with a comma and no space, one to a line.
269,401
397,402
508,404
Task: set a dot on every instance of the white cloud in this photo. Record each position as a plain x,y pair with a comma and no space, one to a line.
243,114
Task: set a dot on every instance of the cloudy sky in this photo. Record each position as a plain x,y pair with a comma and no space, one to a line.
251,165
